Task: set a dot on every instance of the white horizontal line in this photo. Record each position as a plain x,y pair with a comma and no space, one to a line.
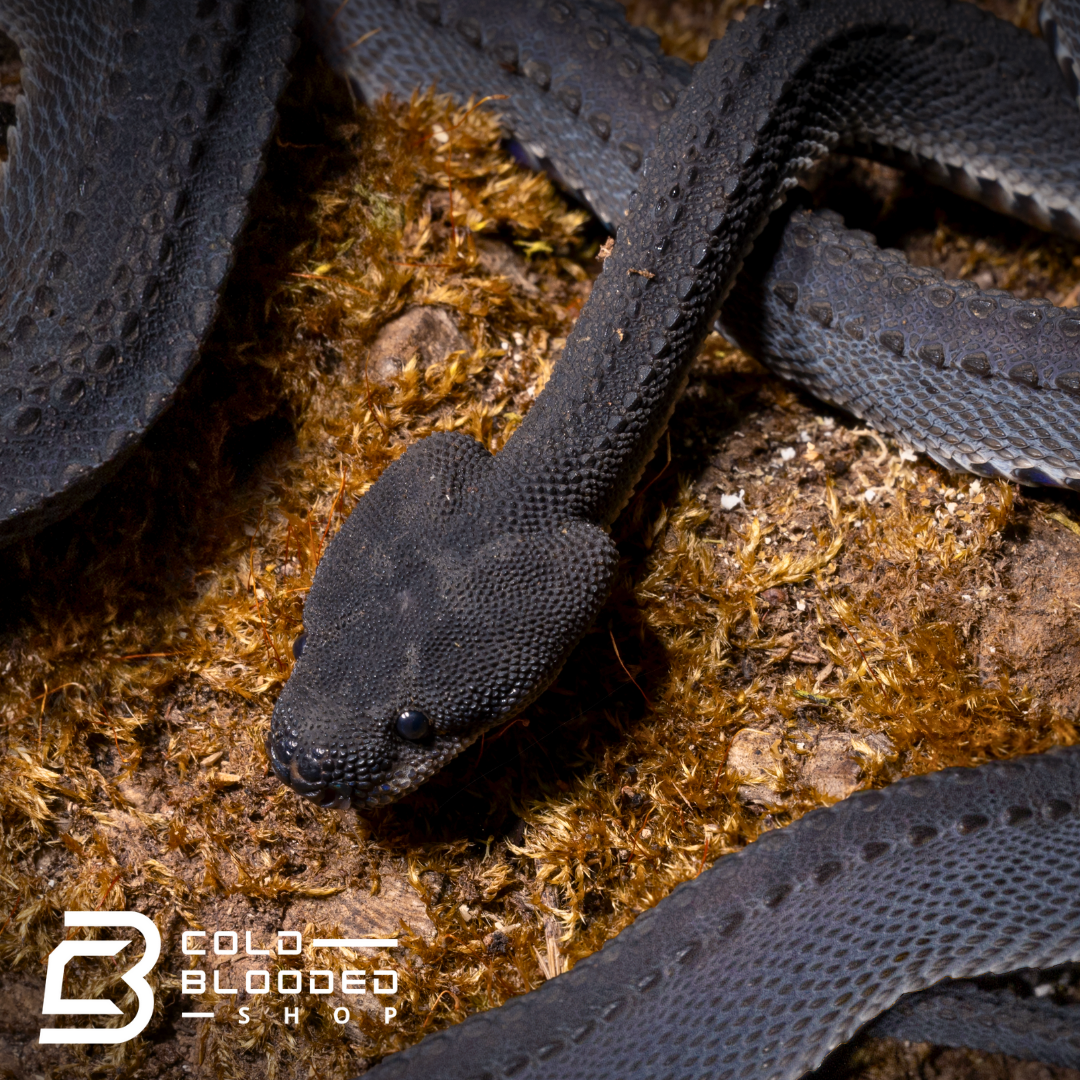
197,1016
355,943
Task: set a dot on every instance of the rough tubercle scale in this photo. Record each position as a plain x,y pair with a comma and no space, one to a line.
144,138
878,893
999,1021
484,618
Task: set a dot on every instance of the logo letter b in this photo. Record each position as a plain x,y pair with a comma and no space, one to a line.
55,1003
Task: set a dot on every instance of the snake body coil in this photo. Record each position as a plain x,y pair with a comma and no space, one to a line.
139,137
774,956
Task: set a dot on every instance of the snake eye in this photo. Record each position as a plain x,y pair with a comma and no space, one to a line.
298,645
413,725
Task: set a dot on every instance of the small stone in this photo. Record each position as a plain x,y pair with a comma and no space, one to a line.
429,333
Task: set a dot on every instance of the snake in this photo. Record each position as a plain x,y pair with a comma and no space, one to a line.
491,567
461,582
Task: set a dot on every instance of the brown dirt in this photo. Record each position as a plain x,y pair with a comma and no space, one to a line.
800,609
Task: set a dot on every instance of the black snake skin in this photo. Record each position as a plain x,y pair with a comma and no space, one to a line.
139,137
774,956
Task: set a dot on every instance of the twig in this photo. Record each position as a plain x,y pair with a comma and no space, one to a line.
253,586
614,645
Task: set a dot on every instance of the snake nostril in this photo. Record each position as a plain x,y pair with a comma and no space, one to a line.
413,725
280,766
333,798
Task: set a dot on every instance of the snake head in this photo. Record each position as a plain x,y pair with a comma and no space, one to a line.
448,601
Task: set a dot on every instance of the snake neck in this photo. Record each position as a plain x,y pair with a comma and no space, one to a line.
780,91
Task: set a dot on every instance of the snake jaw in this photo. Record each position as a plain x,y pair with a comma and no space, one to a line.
446,604
321,775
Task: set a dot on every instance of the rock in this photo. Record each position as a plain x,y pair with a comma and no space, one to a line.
830,770
498,260
427,332
754,760
359,914
834,769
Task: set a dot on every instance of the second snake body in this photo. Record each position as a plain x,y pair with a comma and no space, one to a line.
766,962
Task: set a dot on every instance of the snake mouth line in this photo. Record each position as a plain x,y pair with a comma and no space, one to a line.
345,794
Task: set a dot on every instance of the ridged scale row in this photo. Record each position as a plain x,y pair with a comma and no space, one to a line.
704,196
143,137
884,894
979,379
582,92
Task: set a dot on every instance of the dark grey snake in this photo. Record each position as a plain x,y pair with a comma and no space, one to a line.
461,582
